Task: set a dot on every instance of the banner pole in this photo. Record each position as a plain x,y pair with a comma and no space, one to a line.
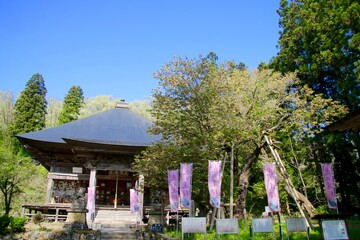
231,180
177,222
280,226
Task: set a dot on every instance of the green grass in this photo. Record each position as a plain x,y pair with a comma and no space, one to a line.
245,234
353,225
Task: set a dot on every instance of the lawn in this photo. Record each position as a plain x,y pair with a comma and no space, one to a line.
353,225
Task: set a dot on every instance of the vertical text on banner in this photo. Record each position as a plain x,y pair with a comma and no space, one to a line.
134,201
271,187
329,184
91,200
173,182
185,184
214,183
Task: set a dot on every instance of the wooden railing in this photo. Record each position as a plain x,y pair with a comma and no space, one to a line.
54,213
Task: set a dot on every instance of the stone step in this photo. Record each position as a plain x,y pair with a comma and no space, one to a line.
123,222
120,233
112,235
116,224
115,214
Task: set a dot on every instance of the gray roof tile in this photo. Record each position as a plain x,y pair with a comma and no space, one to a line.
118,126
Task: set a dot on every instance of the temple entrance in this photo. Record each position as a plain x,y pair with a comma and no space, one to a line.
107,192
113,188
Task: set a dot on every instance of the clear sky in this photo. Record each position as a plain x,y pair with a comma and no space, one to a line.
112,47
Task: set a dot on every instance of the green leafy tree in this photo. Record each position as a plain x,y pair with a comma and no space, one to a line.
30,106
6,110
98,104
202,107
52,112
320,42
142,107
15,171
73,102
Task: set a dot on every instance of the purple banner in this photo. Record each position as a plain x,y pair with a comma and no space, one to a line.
134,201
271,187
329,184
214,183
173,182
91,200
185,184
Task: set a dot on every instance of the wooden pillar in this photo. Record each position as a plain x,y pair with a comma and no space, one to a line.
49,189
56,215
91,195
92,180
231,180
141,193
22,211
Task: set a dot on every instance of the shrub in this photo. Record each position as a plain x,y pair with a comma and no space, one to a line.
4,223
38,219
17,224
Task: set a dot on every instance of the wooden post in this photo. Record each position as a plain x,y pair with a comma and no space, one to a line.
49,189
287,180
116,189
22,211
141,193
231,180
56,215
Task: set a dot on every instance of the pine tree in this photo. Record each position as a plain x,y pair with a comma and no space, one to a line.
72,103
30,107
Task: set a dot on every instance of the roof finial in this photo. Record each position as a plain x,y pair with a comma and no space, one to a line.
122,104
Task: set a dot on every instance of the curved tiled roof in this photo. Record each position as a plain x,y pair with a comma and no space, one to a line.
118,126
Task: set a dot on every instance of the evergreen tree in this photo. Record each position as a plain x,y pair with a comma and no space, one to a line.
320,42
72,103
30,107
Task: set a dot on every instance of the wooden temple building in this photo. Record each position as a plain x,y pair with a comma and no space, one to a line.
95,153
351,122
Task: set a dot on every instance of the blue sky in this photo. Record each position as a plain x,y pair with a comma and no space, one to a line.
112,47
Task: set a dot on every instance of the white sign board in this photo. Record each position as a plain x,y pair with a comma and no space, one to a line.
262,225
229,225
77,169
193,225
296,225
334,229
267,210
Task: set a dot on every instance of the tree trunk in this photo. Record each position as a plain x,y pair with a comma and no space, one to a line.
242,193
305,203
244,176
245,172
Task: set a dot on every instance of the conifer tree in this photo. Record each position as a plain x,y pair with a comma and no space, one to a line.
72,103
320,42
30,107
